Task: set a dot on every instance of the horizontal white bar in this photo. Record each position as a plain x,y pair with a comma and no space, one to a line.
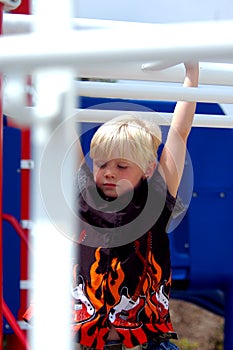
17,24
101,115
26,284
154,92
211,42
210,73
24,325
200,120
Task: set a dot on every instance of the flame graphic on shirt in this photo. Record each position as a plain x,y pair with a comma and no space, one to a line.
106,287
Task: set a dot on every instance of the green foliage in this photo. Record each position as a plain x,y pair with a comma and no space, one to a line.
185,344
218,339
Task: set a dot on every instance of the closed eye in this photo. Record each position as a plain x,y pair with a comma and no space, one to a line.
100,164
122,166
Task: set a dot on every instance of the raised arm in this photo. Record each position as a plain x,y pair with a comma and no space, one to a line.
173,155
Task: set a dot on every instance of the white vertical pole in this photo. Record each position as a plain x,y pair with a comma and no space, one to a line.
52,17
53,226
51,269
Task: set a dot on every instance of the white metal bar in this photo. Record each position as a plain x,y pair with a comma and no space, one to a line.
102,115
52,249
211,42
17,24
200,120
210,73
155,92
23,325
25,284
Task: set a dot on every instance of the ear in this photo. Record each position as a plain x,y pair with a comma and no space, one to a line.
150,169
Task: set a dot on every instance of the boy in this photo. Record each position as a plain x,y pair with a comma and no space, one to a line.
122,273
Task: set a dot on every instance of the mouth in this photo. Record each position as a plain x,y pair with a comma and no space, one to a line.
110,185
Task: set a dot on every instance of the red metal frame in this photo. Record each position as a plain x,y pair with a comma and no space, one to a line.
14,325
16,225
25,215
23,8
1,154
21,337
18,340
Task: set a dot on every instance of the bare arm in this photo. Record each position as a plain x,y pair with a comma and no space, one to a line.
173,155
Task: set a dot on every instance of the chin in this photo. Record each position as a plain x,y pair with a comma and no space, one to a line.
110,194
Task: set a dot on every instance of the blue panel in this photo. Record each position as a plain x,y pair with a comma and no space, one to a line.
211,239
126,105
206,230
179,242
210,213
211,153
158,106
11,205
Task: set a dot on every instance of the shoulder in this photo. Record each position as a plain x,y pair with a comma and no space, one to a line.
84,176
172,204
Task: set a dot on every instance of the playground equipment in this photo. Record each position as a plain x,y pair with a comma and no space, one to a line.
120,51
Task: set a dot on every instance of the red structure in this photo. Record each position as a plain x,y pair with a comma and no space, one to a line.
23,8
1,144
17,340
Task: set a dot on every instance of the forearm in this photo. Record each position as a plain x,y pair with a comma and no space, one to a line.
184,110
173,156
192,75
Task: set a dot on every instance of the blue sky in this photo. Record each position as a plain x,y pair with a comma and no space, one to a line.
155,10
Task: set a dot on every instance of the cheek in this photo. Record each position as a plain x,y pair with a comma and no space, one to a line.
131,181
125,183
137,176
97,175
124,186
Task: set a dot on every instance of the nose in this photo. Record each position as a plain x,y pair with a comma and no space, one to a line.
109,173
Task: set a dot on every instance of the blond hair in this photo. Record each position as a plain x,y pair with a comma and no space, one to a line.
129,137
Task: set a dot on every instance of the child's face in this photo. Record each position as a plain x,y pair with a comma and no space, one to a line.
116,176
